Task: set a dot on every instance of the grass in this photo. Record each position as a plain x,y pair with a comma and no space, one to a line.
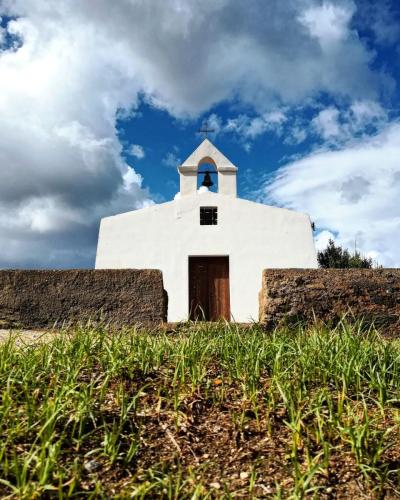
208,411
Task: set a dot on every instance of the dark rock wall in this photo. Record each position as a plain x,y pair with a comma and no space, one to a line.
39,299
292,295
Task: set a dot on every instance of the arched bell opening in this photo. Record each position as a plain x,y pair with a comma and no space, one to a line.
207,175
200,170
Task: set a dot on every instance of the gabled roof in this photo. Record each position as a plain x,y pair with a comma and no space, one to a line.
207,153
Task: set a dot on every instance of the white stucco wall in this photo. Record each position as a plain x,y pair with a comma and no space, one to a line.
254,236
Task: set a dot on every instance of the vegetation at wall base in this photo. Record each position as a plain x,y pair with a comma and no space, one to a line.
334,256
207,411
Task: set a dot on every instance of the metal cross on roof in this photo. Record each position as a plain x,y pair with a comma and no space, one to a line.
205,130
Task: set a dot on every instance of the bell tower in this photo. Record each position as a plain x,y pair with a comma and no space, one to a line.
207,153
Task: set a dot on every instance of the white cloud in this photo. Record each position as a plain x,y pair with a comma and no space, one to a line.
364,112
338,126
353,193
137,151
251,127
331,124
328,23
322,239
171,160
192,54
214,124
326,123
296,134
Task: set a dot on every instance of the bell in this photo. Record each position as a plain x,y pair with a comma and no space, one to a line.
207,182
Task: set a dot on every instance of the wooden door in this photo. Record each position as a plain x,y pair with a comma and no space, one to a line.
209,288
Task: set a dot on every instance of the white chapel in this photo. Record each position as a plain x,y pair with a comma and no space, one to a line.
210,246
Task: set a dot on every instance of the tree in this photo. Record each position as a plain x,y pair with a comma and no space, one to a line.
336,256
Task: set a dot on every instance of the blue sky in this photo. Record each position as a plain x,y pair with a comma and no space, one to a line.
99,104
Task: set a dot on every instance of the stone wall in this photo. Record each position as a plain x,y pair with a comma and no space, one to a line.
292,295
39,299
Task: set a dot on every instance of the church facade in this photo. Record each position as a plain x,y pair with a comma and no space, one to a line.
210,246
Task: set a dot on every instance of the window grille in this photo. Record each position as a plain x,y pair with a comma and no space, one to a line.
208,216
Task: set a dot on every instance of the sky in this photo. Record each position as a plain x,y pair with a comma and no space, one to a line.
100,101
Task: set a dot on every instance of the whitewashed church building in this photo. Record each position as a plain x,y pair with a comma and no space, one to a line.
210,246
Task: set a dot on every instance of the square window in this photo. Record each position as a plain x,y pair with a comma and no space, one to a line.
208,216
